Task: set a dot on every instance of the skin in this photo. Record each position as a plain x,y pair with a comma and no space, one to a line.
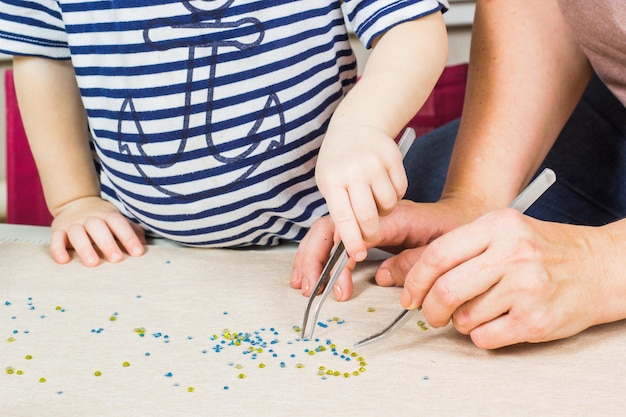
359,171
539,281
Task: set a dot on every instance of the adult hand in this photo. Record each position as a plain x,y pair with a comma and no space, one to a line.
93,226
507,278
360,174
410,225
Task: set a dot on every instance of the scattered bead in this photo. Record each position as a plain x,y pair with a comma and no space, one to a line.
97,373
241,376
371,309
28,357
42,379
190,389
126,364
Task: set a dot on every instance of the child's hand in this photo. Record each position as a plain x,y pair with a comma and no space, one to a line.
93,226
360,174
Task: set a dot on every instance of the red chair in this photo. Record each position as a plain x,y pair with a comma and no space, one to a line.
445,103
25,201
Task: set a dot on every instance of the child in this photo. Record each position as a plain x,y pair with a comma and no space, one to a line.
207,116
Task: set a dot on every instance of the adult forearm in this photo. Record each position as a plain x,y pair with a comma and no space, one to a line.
56,126
399,75
526,76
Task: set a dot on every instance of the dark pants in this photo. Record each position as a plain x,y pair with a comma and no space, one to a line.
589,159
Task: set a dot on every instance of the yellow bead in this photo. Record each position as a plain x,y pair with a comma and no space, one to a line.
190,389
19,372
321,368
58,308
97,373
11,339
112,318
346,375
361,369
28,357
241,376
42,379
261,365
371,309
10,370
299,365
355,373
126,364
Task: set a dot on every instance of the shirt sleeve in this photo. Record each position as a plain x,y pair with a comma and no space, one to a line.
370,18
33,28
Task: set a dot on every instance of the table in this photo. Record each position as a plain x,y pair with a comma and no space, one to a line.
183,331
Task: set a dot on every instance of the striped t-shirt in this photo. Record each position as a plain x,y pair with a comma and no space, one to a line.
207,115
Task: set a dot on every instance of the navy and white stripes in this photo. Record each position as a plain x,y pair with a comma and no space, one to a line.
207,115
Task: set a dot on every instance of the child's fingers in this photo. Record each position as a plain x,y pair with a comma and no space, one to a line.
103,238
58,247
81,242
341,211
129,236
365,212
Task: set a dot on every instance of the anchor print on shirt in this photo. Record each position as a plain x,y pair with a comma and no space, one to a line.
209,30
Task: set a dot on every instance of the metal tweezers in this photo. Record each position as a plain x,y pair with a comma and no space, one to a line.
339,259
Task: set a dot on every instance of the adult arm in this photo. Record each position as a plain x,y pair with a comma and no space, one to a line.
539,281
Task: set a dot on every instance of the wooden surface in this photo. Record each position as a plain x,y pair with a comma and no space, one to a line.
65,323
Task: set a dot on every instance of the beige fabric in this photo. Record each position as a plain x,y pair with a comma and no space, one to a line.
600,28
185,292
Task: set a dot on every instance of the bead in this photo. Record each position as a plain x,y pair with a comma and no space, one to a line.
190,389
28,357
126,364
19,372
42,379
10,370
97,373
241,376
371,309
11,339
261,365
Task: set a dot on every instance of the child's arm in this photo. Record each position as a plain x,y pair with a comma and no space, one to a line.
359,169
56,125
